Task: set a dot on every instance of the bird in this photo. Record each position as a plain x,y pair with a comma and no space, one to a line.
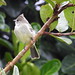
25,33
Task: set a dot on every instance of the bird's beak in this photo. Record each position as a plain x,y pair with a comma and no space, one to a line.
14,20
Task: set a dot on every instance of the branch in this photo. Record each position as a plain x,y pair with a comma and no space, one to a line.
40,32
59,34
58,9
66,6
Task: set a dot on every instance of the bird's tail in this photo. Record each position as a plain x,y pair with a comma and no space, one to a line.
34,52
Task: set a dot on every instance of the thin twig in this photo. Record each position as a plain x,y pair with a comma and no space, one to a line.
66,6
59,34
40,32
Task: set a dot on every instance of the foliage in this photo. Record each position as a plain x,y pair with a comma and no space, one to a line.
49,46
30,69
2,2
59,1
71,19
68,67
51,67
47,10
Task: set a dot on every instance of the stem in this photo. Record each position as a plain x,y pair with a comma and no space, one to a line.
59,34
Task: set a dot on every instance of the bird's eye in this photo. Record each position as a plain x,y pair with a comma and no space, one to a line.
17,19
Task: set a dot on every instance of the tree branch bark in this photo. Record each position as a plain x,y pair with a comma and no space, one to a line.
59,34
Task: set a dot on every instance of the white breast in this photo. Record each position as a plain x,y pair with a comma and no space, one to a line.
23,33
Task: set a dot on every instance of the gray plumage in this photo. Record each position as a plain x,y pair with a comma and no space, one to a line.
24,32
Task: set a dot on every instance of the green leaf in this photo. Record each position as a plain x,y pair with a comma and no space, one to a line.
70,16
51,67
3,14
14,39
15,42
51,2
20,65
59,1
3,26
68,64
6,44
53,25
72,36
2,19
30,69
15,70
46,12
2,2
36,26
21,46
8,57
73,1
65,39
